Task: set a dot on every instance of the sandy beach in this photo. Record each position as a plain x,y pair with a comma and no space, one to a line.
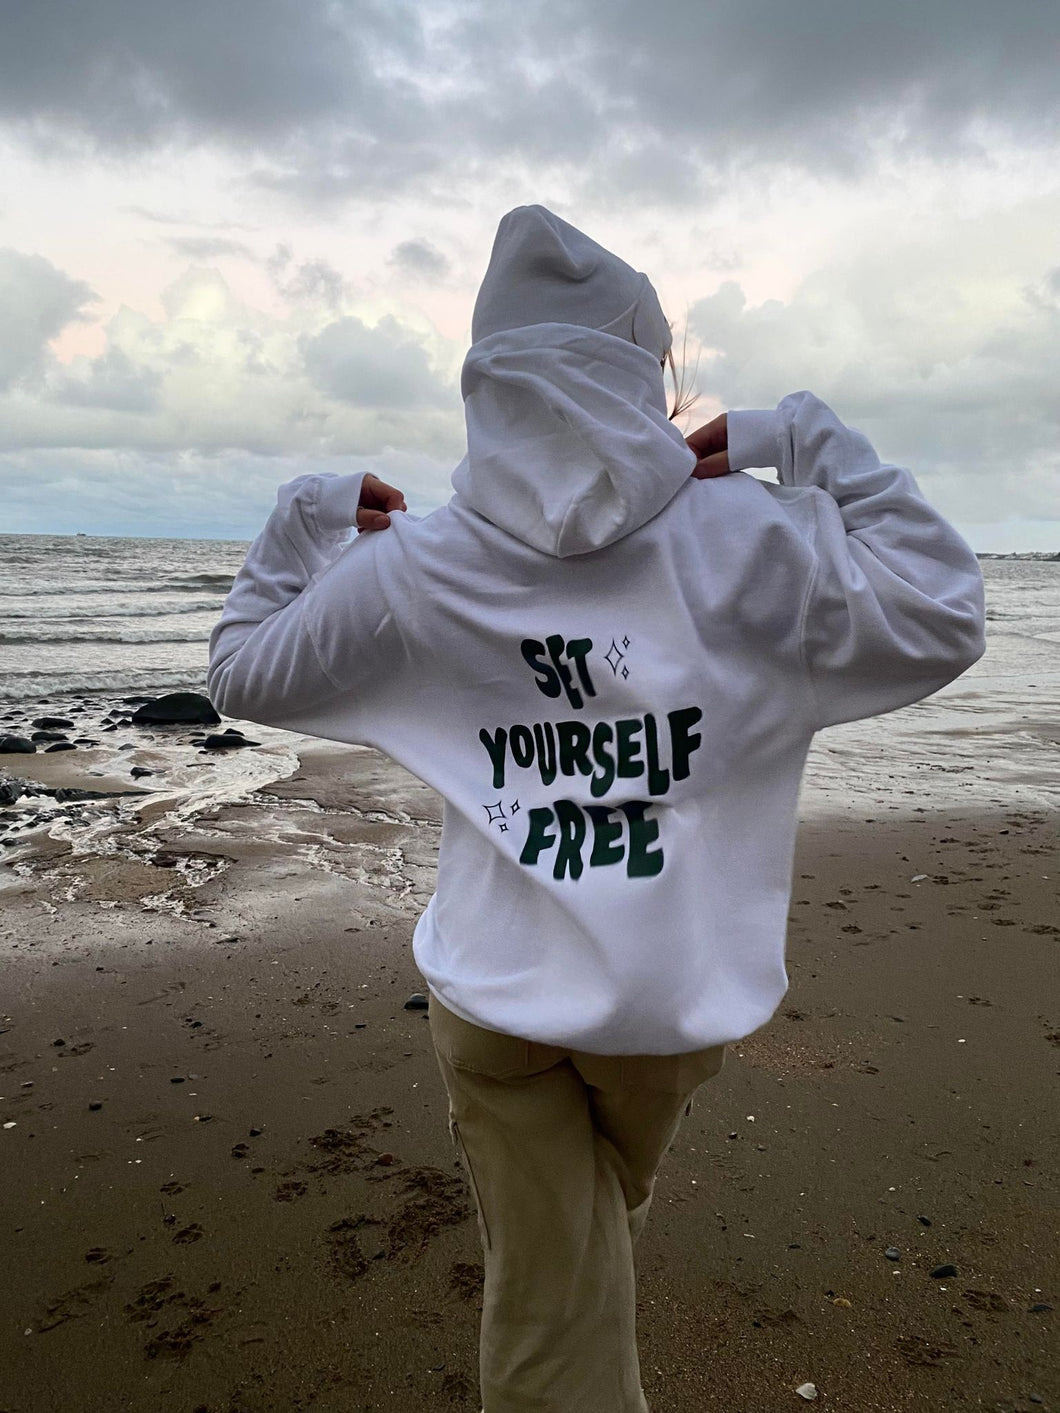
228,1185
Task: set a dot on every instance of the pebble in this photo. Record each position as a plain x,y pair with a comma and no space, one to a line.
924,1221
417,1002
1040,1308
807,1391
95,1104
941,1272
893,1254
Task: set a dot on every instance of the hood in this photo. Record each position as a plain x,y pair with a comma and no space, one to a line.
569,445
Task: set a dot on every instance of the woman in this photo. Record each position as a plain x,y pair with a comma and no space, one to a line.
608,653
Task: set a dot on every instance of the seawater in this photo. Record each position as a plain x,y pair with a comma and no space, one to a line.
102,616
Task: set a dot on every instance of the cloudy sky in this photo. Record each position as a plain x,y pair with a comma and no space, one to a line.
240,239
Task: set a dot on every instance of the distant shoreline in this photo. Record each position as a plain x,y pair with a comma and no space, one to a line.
1046,556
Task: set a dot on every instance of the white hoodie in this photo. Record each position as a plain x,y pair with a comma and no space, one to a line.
611,673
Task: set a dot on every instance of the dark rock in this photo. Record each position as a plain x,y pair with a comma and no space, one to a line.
924,1221
85,741
255,1133
110,728
1040,1308
58,1042
416,1002
48,736
60,746
216,742
139,770
95,1104
940,1273
17,745
11,790
893,1254
51,721
175,707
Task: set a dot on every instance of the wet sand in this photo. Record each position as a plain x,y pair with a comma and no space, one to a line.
228,1187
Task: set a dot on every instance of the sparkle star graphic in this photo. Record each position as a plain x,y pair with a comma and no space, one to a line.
618,656
494,812
515,808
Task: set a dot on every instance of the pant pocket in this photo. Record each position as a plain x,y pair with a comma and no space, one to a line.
483,1229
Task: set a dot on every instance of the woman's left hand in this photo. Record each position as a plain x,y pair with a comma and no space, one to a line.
377,500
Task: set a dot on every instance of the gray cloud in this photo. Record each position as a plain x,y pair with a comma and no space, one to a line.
37,301
215,375
364,97
374,367
420,257
968,404
308,282
208,247
110,381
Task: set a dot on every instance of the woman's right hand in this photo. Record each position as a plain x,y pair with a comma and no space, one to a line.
711,446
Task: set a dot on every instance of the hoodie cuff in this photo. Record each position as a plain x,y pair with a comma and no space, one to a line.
754,438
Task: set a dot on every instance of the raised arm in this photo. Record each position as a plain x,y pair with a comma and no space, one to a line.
895,608
274,654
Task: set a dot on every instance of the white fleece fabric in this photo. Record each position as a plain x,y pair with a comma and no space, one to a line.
611,673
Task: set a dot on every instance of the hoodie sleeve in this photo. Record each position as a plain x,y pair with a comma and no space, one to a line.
894,609
275,652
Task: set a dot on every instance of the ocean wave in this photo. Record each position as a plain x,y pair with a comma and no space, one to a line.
22,588
59,615
201,581
105,635
34,683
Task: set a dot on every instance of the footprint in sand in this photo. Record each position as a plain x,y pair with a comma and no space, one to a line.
458,1388
987,1300
72,1304
188,1234
923,1353
344,1248
465,1279
178,1342
436,1200
290,1191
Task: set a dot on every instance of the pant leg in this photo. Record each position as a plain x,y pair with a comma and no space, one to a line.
554,1195
637,1109
558,1317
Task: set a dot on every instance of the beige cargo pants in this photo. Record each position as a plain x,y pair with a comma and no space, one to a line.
561,1149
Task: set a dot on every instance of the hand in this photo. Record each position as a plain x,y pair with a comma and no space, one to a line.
377,500
711,446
